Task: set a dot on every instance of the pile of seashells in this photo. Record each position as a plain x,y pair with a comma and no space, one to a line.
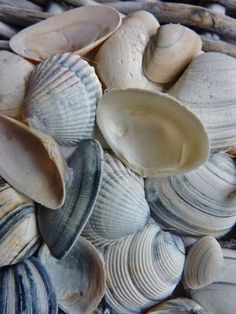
117,168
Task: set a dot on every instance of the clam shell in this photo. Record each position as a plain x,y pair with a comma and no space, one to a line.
78,279
204,263
14,73
119,60
19,237
31,162
169,52
143,269
26,288
120,208
61,98
70,219
152,133
199,202
207,87
78,30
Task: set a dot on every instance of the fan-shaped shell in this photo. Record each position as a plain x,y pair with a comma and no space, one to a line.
78,278
14,73
120,208
152,133
199,202
26,288
78,30
70,219
169,52
31,162
119,60
62,97
207,87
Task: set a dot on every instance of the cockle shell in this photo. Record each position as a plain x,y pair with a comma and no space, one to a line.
207,87
14,73
26,288
199,202
31,162
19,236
78,30
78,278
62,97
120,208
169,52
204,263
86,164
119,60
152,133
143,269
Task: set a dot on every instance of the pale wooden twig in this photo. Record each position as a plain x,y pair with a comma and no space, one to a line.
229,4
6,30
218,46
4,45
23,4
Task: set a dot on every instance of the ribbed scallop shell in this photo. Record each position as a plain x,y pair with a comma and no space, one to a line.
200,202
26,288
61,98
120,208
143,269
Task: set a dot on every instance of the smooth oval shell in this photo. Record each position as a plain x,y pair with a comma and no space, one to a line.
26,288
169,52
78,279
81,193
198,203
31,162
61,98
14,74
78,30
152,133
207,87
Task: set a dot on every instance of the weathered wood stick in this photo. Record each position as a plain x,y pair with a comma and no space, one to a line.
24,4
7,31
40,2
186,14
229,4
218,46
4,45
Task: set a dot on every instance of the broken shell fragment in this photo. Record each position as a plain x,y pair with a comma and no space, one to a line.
152,133
78,31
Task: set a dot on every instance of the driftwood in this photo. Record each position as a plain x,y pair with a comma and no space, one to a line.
23,4
218,46
229,4
39,2
4,45
7,31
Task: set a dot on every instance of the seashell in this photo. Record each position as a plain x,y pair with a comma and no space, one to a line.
78,31
143,269
26,288
152,133
31,162
178,306
61,98
211,96
120,208
219,297
169,52
119,60
19,237
204,263
79,278
197,203
14,73
70,219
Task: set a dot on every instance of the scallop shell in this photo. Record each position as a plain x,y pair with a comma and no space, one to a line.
26,288
199,202
169,52
152,133
119,60
14,73
81,194
143,269
120,208
79,278
31,162
61,98
207,87
204,263
78,30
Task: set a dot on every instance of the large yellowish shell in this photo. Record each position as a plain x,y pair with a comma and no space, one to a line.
78,30
169,52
